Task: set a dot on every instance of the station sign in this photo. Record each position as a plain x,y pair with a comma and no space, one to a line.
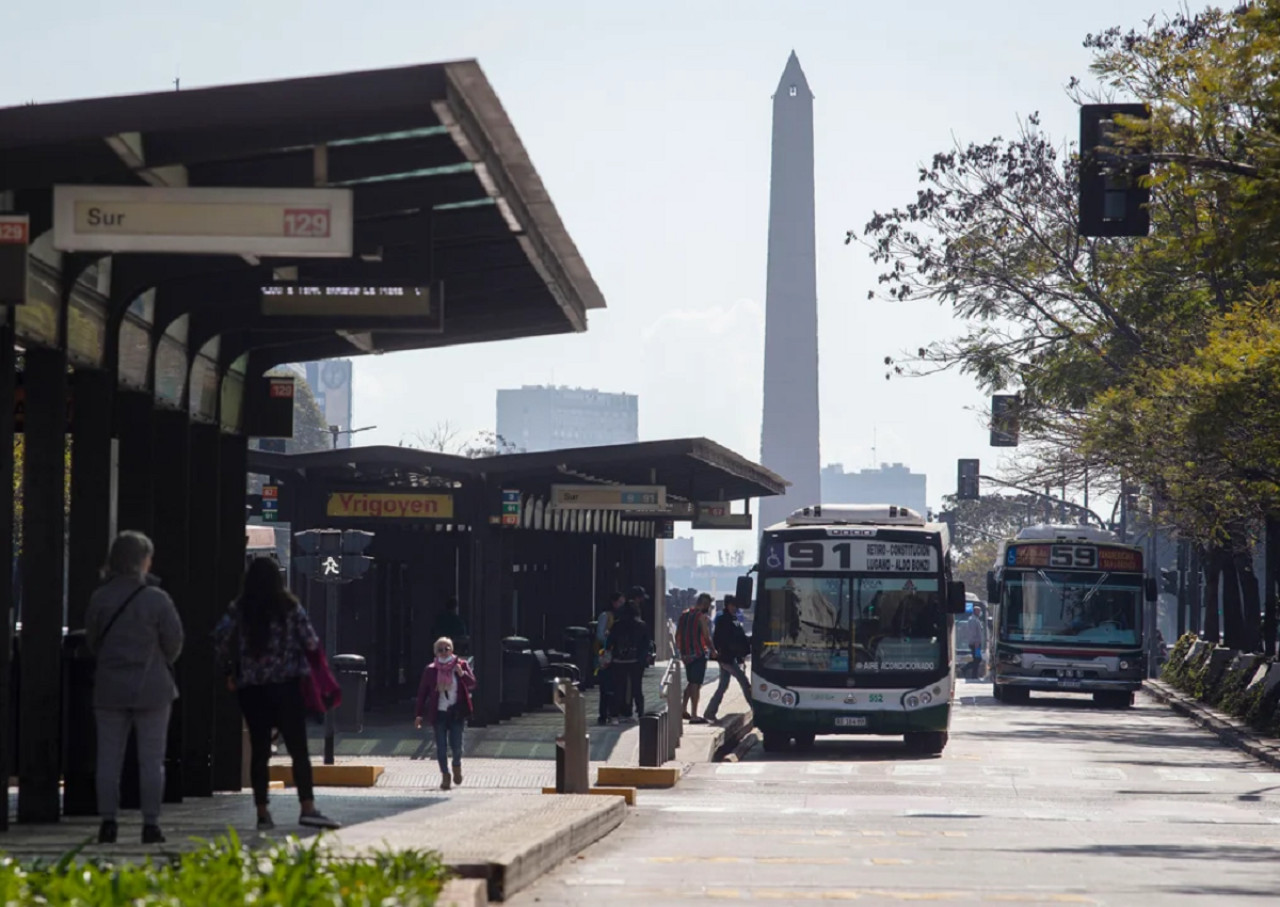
268,221
626,498
15,236
717,515
386,505
511,507
310,300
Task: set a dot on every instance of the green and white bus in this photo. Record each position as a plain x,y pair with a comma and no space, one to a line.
1067,615
853,626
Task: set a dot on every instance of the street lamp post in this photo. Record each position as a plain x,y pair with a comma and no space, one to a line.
335,431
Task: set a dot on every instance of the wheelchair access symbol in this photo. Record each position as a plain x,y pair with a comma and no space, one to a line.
773,560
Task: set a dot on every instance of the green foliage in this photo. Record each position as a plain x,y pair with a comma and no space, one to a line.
1174,672
1228,694
226,872
1264,712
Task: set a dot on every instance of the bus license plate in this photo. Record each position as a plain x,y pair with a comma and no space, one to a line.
852,721
1069,684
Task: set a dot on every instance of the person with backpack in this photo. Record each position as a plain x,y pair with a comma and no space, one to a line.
628,648
732,645
134,632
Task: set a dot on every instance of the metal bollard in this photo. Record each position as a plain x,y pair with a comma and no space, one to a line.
573,749
650,739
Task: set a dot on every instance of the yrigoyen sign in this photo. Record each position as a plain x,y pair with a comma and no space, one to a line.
632,498
282,222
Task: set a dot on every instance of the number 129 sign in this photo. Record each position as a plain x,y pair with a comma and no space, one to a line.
308,222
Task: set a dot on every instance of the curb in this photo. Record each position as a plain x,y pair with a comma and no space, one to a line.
1229,730
736,732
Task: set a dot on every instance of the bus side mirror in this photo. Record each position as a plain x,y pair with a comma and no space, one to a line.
1152,590
743,593
955,598
993,588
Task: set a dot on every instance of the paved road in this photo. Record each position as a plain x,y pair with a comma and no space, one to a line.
1054,802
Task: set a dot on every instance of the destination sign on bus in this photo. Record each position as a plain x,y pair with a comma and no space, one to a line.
1074,557
861,555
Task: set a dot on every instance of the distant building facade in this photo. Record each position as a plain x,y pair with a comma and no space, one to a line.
890,484
330,382
537,417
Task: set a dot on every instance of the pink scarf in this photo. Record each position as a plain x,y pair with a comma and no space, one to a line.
444,672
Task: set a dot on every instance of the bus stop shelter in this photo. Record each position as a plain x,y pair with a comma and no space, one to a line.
138,342
492,532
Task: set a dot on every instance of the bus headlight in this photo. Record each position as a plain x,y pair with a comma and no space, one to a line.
912,702
1124,665
926,697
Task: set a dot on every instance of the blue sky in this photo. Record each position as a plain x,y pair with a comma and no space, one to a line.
649,124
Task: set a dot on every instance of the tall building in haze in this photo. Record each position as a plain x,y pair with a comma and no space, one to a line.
533,418
789,436
890,484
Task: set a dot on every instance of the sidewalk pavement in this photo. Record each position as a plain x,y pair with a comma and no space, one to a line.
1231,731
520,752
496,826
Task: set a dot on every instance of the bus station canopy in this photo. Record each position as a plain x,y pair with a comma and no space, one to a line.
693,469
442,190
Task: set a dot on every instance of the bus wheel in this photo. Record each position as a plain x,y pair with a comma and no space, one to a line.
774,742
997,692
804,742
928,742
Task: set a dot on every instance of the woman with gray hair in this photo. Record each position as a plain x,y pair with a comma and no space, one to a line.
133,629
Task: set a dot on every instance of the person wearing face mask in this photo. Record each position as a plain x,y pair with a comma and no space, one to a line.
444,701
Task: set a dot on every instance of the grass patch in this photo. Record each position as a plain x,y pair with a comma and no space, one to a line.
226,872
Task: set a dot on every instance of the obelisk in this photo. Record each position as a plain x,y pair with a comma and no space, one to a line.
789,435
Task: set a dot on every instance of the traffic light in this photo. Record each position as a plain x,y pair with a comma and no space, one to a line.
1169,581
1114,198
967,480
1004,420
354,563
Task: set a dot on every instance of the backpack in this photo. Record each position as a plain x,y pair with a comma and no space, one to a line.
625,641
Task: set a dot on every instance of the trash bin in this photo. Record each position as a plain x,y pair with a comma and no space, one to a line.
517,669
353,678
578,643
79,731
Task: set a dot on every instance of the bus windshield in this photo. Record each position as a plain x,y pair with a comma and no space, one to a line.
851,624
1079,608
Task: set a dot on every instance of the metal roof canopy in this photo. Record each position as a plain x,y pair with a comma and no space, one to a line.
443,190
693,469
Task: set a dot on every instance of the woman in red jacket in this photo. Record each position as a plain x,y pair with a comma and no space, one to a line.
444,701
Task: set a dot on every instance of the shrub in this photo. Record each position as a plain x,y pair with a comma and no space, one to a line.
1264,712
226,872
1175,669
1230,693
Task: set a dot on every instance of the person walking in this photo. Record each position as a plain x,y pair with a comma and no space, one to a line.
264,641
604,670
976,639
444,702
732,647
133,630
629,649
694,645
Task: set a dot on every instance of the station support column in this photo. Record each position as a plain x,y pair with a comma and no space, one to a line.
43,524
203,610
171,477
7,718
227,725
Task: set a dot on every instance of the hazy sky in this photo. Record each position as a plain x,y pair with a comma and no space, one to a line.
649,124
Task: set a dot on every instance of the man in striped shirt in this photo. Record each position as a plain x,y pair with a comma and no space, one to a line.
693,642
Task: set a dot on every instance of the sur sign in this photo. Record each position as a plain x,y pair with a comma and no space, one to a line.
282,222
630,498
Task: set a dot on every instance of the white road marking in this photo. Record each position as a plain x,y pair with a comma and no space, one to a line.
830,768
1097,773
1183,774
917,770
740,768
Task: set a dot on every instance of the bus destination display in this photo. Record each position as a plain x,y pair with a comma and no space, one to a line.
861,555
1074,557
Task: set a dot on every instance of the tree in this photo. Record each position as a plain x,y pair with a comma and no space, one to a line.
1111,342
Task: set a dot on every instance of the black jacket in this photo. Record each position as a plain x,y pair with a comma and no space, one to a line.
730,640
629,641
